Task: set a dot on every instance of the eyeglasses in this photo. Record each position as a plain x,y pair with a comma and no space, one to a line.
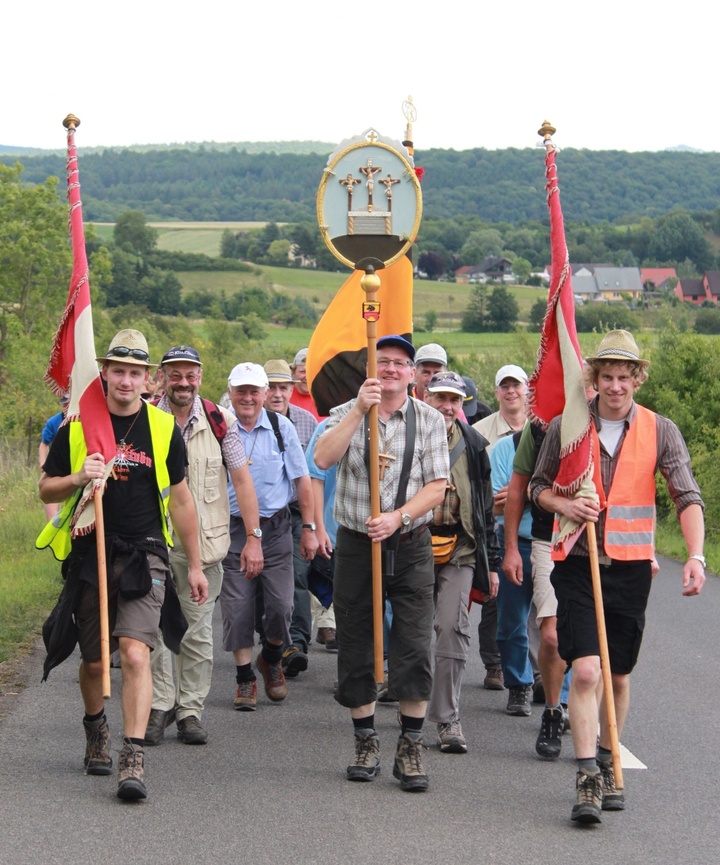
386,363
124,351
176,377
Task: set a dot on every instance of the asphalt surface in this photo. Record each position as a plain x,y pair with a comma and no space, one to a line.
270,786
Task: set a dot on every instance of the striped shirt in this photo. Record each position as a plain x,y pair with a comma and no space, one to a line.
430,463
673,461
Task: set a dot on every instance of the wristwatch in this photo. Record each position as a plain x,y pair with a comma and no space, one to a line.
405,519
310,526
255,533
700,557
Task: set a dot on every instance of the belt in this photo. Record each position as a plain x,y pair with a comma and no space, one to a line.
405,536
278,513
263,520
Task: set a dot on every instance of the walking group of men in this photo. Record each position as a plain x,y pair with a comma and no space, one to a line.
207,502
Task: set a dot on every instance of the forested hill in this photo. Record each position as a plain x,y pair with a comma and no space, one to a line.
497,185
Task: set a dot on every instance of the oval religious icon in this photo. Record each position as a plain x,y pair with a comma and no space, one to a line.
369,203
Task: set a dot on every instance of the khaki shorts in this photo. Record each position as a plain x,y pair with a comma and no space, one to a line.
543,592
138,619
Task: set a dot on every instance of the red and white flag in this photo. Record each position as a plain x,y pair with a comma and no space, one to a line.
556,385
72,366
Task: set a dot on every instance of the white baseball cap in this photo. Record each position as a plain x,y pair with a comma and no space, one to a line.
510,370
431,353
248,373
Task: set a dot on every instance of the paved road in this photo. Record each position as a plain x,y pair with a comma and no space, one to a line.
269,787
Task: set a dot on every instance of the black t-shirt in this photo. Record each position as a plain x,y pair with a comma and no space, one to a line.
131,505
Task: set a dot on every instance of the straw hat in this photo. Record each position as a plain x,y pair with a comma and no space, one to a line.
128,346
618,345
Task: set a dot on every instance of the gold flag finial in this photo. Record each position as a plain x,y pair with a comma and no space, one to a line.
71,121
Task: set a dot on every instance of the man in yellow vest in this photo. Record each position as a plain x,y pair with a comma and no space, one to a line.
630,443
146,484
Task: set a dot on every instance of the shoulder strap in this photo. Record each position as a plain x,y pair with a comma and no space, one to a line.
456,452
215,418
275,424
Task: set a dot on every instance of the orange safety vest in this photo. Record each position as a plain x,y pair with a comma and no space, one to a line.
630,519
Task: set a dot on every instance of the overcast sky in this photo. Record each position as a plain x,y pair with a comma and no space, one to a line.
612,75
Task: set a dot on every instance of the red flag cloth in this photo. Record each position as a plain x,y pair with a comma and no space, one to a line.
556,385
337,353
72,363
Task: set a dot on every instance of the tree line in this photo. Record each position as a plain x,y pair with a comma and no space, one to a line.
210,184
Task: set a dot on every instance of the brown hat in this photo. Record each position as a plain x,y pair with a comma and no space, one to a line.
618,345
128,346
278,371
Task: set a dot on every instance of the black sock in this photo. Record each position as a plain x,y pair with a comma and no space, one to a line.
137,742
244,673
272,654
412,726
92,719
589,764
364,725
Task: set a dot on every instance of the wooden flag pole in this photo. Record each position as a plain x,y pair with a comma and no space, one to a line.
547,131
604,655
102,592
370,283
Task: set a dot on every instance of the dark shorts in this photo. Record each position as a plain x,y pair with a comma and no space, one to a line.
410,592
625,590
138,619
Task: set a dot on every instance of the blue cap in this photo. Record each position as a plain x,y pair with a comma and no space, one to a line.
181,353
394,339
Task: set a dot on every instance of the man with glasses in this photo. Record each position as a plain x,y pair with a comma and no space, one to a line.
147,483
213,445
405,426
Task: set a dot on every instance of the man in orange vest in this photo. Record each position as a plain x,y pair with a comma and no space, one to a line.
630,443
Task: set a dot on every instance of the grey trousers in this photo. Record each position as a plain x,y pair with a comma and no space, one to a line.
452,640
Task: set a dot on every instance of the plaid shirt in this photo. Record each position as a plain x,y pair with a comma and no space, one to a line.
232,447
430,463
304,423
673,461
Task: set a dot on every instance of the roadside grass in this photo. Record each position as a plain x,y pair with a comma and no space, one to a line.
29,580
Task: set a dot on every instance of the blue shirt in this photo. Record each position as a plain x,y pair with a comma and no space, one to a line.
272,472
501,465
51,428
329,478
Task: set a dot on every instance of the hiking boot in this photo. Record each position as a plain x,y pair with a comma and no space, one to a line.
246,696
613,799
294,661
450,738
494,680
519,701
274,680
548,742
538,690
589,797
158,722
327,637
366,765
97,747
131,768
408,768
191,731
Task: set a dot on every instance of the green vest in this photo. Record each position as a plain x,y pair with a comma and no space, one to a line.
56,533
